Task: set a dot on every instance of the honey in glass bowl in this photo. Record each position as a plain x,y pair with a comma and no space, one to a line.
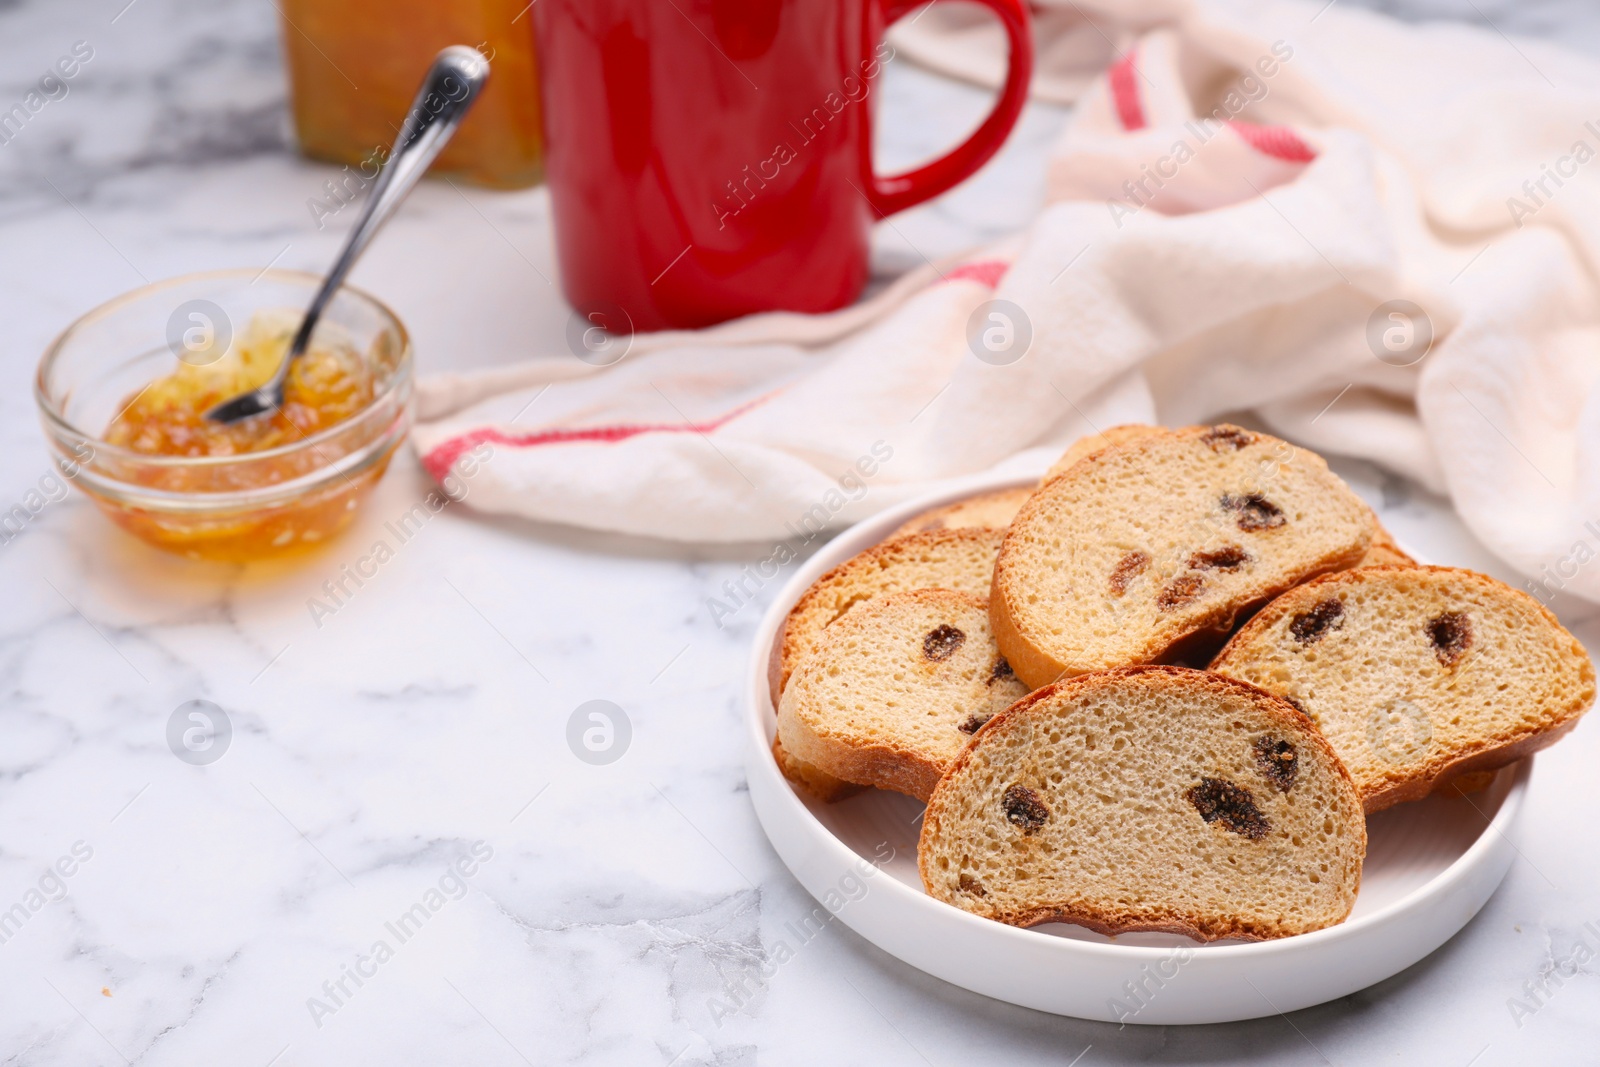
278,482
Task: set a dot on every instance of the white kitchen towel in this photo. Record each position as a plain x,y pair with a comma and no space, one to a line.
1381,239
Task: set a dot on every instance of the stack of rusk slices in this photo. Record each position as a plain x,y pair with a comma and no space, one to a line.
1028,662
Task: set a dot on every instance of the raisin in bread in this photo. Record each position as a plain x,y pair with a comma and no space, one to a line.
1151,550
1148,798
962,560
993,510
894,689
1417,675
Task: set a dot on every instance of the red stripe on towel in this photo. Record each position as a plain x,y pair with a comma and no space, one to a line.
1279,142
984,272
444,455
1125,93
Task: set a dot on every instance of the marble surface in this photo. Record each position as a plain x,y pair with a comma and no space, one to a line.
412,747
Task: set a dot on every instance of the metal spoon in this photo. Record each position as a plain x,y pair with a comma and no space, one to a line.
451,85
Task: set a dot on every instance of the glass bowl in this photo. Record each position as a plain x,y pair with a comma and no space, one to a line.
233,507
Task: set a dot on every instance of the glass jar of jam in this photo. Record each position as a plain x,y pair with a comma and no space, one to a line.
354,67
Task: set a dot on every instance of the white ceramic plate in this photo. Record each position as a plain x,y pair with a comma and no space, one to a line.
1430,866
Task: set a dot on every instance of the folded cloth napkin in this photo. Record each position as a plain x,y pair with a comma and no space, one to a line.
1378,238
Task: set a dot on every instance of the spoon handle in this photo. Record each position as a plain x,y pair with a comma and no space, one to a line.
447,92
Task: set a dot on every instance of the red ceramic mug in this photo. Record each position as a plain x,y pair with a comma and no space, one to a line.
712,158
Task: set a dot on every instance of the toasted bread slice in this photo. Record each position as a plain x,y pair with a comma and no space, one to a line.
993,511
894,689
1151,550
1417,675
1382,552
1148,798
818,783
961,559
1094,442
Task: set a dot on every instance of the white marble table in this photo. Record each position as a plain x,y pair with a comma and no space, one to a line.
423,725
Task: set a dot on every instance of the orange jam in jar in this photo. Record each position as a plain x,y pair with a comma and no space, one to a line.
354,66
284,480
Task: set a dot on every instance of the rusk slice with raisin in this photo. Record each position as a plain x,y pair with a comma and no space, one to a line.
962,560
894,689
1417,675
1150,550
1383,550
990,511
1148,798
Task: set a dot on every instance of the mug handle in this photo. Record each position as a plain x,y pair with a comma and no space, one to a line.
900,191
